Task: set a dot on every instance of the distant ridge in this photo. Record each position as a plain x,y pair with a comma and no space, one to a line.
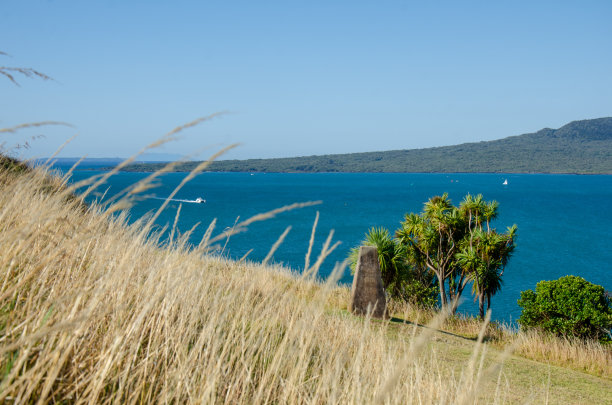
580,147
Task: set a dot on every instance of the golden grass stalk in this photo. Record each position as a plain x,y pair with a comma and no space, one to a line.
168,137
241,226
311,242
276,245
16,128
198,169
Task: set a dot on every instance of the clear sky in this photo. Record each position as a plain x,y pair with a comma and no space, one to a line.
302,77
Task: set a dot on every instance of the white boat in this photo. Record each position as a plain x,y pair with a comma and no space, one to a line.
505,183
200,200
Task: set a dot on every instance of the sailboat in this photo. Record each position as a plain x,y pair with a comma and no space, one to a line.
505,183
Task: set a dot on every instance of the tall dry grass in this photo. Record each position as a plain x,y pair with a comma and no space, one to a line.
95,310
591,356
588,356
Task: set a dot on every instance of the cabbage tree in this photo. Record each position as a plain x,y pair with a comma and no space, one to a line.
459,246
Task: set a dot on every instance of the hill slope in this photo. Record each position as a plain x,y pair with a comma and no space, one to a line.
582,147
94,311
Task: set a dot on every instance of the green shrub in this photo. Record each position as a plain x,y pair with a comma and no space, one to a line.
569,306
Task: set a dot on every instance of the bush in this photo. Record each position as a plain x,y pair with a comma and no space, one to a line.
569,306
418,292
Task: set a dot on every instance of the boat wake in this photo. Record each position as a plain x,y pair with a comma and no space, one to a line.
196,201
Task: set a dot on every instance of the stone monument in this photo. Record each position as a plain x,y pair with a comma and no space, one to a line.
368,293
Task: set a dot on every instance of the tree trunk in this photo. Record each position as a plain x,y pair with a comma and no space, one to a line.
481,300
442,292
460,287
454,306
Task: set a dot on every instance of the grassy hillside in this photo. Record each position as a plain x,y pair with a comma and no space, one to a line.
94,310
582,147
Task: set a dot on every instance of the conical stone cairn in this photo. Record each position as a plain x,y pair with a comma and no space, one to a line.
368,293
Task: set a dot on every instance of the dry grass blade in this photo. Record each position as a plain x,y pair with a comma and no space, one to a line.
232,231
176,218
206,238
144,184
58,150
67,325
198,169
27,72
276,245
243,258
239,227
468,394
33,125
325,251
196,122
170,136
311,242
417,345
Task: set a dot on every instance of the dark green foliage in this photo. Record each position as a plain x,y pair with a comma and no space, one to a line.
403,279
443,248
12,165
418,289
458,245
569,306
581,147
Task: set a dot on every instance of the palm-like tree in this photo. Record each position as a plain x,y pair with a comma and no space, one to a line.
468,263
472,208
434,237
478,211
455,244
392,257
490,212
484,260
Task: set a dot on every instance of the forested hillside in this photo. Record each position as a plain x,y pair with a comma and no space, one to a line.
582,147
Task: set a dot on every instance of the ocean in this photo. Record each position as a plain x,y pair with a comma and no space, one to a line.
564,221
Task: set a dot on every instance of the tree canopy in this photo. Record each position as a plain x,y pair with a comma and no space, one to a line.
456,245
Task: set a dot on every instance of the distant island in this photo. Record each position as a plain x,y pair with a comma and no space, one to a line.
580,147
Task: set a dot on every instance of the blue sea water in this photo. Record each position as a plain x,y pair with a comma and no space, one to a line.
564,221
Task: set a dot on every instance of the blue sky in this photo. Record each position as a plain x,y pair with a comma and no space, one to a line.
301,77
